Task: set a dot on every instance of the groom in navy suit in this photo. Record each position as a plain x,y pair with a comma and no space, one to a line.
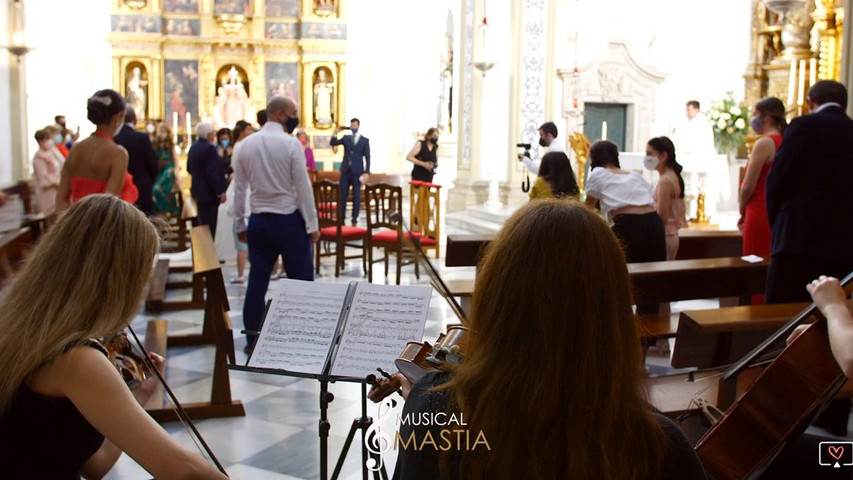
353,169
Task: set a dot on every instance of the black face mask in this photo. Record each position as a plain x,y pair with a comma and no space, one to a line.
433,140
543,142
290,124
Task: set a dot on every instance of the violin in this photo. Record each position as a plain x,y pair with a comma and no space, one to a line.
420,358
128,360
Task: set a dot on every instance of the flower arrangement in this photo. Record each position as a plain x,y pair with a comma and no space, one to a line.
730,121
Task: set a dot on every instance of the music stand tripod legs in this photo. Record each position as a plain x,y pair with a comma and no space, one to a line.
362,423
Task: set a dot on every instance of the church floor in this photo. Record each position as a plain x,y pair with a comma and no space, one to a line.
278,439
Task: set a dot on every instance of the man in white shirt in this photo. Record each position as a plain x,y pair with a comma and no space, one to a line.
548,140
695,136
283,217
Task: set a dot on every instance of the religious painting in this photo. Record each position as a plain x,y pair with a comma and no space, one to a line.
232,7
282,79
181,91
136,89
232,101
324,85
180,6
136,24
280,31
282,8
183,26
322,142
325,8
324,31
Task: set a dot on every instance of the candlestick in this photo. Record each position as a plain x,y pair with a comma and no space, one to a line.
812,71
792,81
604,130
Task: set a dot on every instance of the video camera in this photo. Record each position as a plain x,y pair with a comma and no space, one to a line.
526,147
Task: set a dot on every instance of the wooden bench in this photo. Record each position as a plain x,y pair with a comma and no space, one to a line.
14,246
216,330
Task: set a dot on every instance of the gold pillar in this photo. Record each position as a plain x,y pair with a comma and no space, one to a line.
830,34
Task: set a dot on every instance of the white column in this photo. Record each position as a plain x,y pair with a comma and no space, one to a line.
5,111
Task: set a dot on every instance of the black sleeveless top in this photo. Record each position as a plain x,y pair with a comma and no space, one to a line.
425,155
45,437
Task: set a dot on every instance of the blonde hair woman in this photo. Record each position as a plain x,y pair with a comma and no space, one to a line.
64,408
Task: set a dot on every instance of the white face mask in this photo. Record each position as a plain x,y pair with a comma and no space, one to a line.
150,128
651,162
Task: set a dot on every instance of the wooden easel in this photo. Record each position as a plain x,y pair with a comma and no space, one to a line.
216,330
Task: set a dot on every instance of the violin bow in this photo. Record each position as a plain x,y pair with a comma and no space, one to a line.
182,414
781,334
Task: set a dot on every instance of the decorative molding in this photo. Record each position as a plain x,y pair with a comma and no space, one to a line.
467,93
533,73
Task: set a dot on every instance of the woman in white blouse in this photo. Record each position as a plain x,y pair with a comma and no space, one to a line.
625,198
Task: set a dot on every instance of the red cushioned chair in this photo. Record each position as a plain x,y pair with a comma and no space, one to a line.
333,230
383,203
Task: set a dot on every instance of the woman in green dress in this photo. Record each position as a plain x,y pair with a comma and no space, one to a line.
165,201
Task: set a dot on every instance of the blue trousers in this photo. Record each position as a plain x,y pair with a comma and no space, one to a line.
271,235
350,178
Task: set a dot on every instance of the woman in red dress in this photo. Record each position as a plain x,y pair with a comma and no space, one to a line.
768,120
97,164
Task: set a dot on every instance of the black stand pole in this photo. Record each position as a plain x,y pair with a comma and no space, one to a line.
362,423
325,398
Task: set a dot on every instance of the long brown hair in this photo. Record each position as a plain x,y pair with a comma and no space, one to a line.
553,375
84,279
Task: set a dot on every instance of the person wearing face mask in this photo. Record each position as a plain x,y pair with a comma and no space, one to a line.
165,203
224,148
54,132
97,164
625,198
282,214
47,163
310,163
669,191
548,141
423,155
208,175
353,171
768,121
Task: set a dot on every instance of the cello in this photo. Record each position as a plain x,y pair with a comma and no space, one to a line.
779,405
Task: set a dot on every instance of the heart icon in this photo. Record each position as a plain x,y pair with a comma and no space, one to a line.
836,452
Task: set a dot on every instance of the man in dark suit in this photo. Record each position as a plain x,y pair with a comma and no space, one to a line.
208,175
353,170
141,162
808,202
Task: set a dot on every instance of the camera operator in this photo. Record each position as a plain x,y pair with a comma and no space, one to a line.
548,140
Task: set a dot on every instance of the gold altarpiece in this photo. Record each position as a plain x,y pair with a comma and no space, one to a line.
790,52
190,60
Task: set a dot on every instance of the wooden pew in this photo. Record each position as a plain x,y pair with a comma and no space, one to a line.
14,246
216,330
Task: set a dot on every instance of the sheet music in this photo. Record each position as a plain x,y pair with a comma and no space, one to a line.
383,318
300,326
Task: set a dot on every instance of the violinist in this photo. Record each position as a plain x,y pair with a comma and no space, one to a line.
553,382
65,411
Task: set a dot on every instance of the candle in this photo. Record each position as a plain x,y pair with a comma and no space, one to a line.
812,71
604,130
801,93
175,123
189,125
792,80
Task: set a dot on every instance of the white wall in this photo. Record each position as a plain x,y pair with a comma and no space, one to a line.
702,46
393,73
70,62
5,118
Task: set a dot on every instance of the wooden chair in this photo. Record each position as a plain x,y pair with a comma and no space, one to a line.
384,202
332,228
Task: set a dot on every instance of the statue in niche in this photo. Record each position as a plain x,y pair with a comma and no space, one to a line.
232,102
325,8
136,94
324,95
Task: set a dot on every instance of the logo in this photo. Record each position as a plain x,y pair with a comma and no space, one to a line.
835,454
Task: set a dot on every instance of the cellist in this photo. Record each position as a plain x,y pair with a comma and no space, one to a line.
64,409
